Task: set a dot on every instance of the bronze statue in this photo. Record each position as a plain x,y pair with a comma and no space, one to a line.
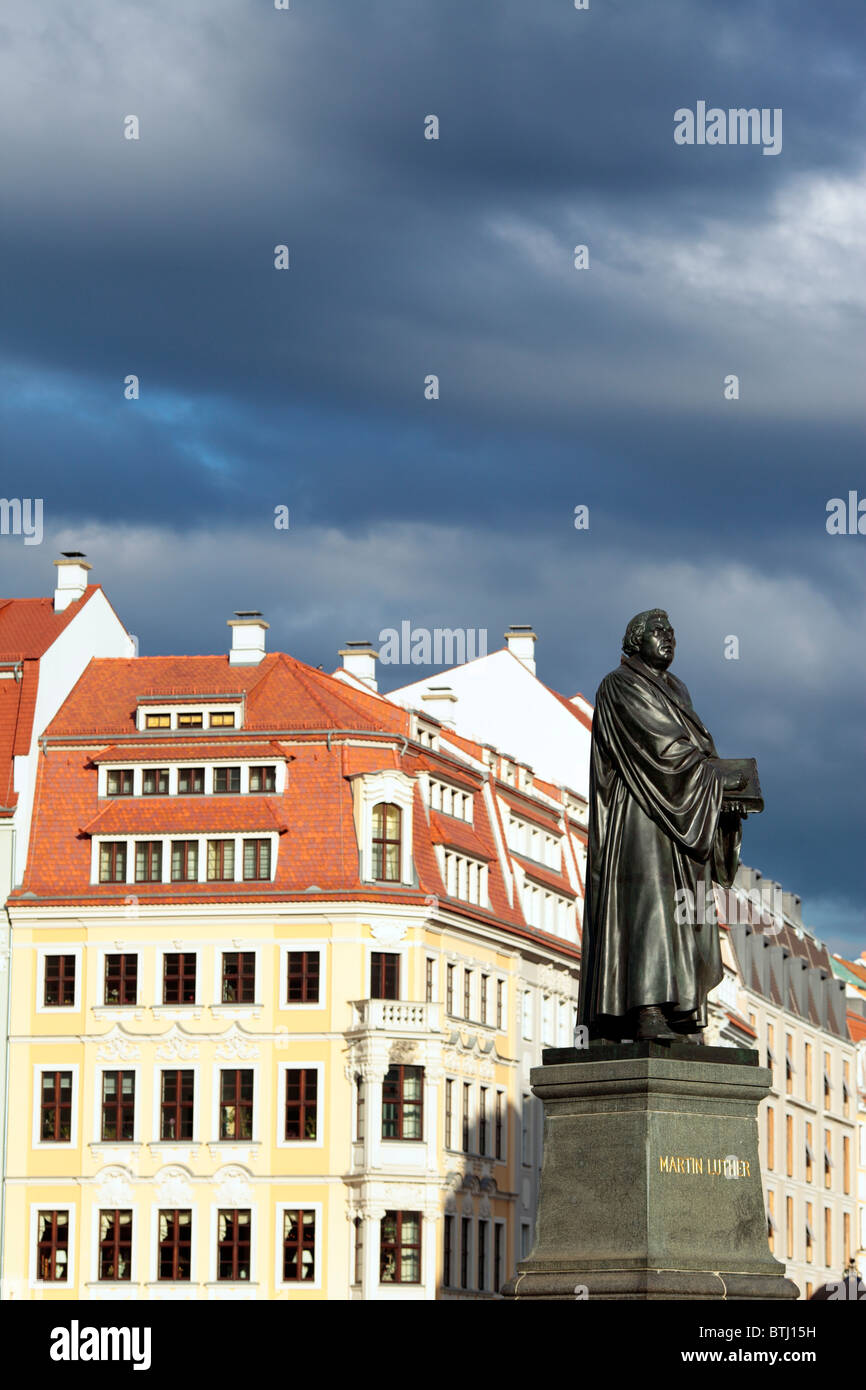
664,816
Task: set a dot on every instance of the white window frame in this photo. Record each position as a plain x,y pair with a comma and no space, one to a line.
166,1146
244,949
35,1283
59,950
389,785
103,951
321,1108
299,1284
285,947
168,949
36,1142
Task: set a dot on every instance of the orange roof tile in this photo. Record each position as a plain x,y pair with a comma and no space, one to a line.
186,749
201,815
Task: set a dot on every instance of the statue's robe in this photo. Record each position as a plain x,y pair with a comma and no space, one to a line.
654,806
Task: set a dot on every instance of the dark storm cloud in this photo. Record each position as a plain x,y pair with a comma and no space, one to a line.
411,257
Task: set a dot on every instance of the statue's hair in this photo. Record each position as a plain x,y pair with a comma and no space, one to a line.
636,628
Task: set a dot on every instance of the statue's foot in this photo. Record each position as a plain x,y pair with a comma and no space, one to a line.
686,1023
652,1026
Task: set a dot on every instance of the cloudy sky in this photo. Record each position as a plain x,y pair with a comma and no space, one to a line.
455,257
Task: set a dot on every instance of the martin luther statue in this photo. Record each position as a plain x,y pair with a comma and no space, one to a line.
664,815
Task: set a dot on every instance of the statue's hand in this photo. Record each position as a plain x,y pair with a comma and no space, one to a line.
734,781
733,812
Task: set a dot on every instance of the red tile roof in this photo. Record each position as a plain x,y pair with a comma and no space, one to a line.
202,815
28,626
857,1027
186,749
539,873
532,811
457,834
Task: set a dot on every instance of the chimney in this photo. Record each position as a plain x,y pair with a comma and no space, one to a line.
437,698
71,579
248,637
359,660
520,640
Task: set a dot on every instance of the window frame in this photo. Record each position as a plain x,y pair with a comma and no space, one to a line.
119,1105
56,1105
404,1107
235,1278
386,960
127,781
221,845
63,957
260,844
115,1243
36,1140
238,1101
123,957
398,1245
247,968
158,773
65,1208
317,1209
182,1109
182,957
303,947
174,1245
226,772
189,772
318,1069
185,846
380,844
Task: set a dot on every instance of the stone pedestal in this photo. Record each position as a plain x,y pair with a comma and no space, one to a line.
650,1184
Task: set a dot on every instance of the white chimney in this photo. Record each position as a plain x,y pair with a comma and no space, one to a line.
248,638
359,660
520,640
437,699
71,579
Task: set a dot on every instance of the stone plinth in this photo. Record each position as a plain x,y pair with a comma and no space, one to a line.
650,1183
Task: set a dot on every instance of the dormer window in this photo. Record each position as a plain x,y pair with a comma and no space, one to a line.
157,721
386,842
263,779
190,719
226,779
119,781
224,719
190,781
154,781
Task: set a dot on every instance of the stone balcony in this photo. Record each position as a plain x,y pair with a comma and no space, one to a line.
394,1016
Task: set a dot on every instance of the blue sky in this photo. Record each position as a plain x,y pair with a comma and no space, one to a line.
455,257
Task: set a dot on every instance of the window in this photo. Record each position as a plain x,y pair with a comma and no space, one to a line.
154,781
112,861
485,992
771,1220
118,781
464,878
178,979
429,978
464,1116
828,1159
263,779
59,986
789,1065
239,977
827,1089
771,1137
118,1106
257,859
148,861
527,1015
115,1244
222,719
175,1243
176,1105
157,721
846,1237
449,1112
302,975
498,1138
384,975
448,1251
789,1225
220,859
526,1131
299,1245
482,1119
52,1246
465,1247
449,989
190,720
233,1245
846,1088
525,1238
500,1005
810,1233
810,1156
302,1095
483,1228
190,781
386,842
498,1232
789,1145
467,993
184,861
55,1102
358,1272
400,1248
846,1165
808,1070
121,979
403,1103
236,1105
360,1106
226,779
828,1236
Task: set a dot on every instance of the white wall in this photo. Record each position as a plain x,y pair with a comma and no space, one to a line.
95,631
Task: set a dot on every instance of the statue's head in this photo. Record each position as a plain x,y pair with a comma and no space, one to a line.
650,636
